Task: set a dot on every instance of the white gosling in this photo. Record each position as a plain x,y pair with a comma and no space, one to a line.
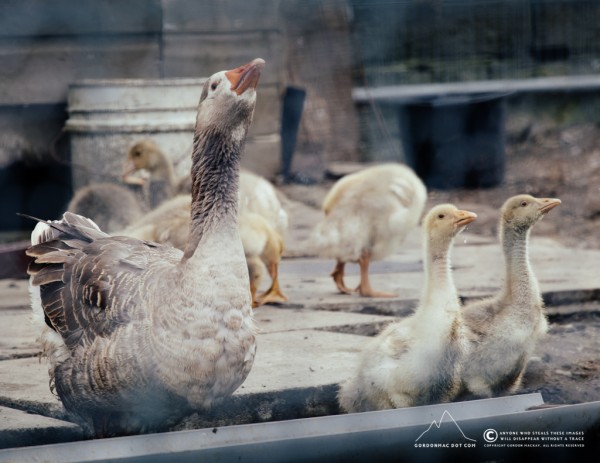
367,216
264,224
259,196
504,329
168,223
416,361
263,247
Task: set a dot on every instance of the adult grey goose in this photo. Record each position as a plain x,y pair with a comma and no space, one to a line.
140,334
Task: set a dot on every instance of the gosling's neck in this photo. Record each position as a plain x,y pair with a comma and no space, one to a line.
215,179
163,171
520,283
439,287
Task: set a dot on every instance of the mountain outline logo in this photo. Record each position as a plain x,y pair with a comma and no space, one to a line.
438,424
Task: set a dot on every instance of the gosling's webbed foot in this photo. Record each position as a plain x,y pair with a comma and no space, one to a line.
370,292
272,296
364,288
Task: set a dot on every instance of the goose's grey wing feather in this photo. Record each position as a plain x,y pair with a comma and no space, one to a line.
89,281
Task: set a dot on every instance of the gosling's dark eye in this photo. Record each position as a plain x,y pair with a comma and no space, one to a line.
441,216
214,86
524,203
136,154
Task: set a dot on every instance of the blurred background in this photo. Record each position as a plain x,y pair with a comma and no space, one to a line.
80,81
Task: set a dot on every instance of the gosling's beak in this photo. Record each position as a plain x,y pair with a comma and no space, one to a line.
245,76
465,218
128,169
548,204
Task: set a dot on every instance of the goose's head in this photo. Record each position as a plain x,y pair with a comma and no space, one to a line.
523,211
228,98
445,221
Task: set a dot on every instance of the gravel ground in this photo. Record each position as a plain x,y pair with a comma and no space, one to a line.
551,163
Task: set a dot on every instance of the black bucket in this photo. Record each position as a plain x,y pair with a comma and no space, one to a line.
293,106
455,141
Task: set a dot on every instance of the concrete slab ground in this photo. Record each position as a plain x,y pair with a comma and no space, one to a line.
21,429
308,345
17,335
294,353
478,270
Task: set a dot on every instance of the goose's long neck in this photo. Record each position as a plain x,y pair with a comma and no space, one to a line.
520,282
439,284
215,177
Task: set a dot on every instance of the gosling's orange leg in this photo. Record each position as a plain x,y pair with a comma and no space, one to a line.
364,288
274,293
255,303
338,277
255,273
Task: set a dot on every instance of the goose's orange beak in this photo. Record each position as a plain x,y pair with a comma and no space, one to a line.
465,218
245,76
548,204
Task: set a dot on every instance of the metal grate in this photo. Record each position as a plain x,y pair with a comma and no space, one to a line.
417,41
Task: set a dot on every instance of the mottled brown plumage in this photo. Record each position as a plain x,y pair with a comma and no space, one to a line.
139,334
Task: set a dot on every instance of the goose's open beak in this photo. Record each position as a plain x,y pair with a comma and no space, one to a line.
465,218
548,204
245,76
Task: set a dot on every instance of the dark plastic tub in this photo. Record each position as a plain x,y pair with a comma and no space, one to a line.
455,141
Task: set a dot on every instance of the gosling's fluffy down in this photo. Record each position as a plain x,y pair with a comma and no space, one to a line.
146,155
505,329
372,209
257,195
417,360
367,216
168,223
263,246
112,207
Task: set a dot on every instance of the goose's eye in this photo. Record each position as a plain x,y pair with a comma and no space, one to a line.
136,154
441,216
214,86
524,203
